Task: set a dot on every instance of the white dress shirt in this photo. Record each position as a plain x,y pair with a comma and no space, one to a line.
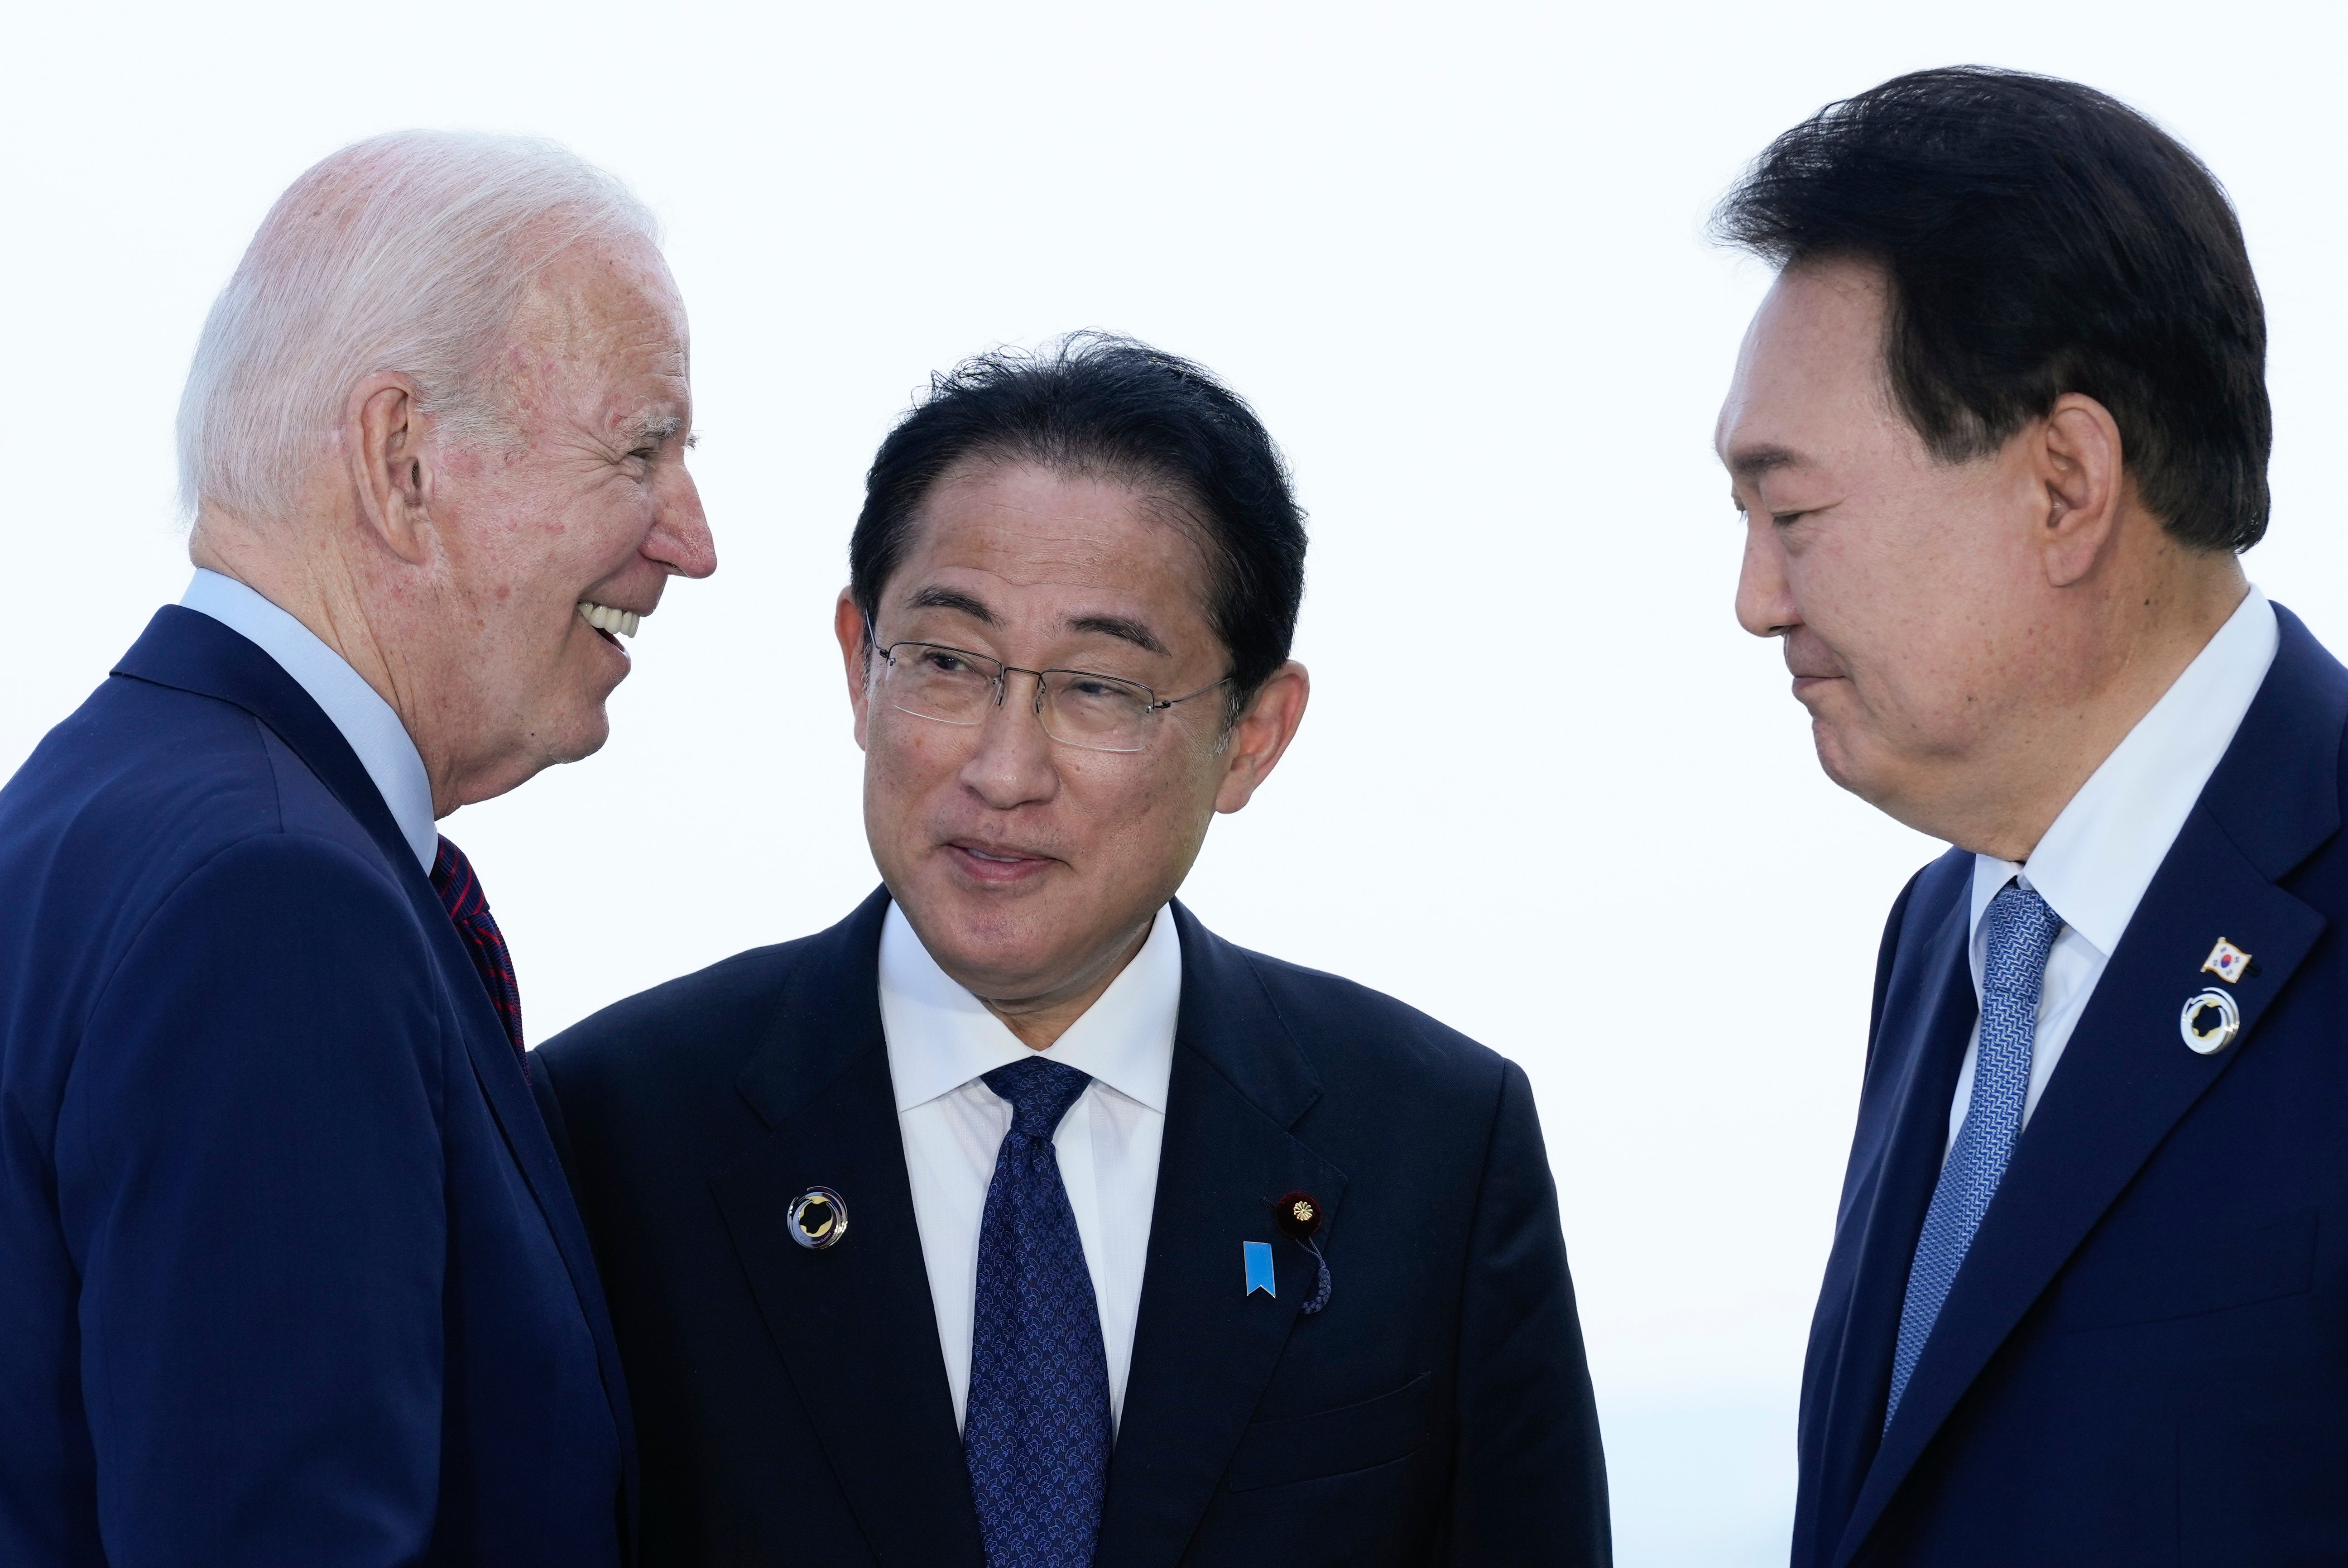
367,721
2100,854
941,1039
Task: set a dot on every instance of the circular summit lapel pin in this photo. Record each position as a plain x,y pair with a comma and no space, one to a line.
817,1219
2211,1021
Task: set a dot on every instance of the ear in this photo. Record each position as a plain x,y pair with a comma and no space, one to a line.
2078,454
393,467
856,655
1254,747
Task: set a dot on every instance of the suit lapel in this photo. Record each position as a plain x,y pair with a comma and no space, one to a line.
1203,1349
2127,1076
189,651
1931,1016
853,1323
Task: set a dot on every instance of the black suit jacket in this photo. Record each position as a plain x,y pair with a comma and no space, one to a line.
792,1406
2144,1359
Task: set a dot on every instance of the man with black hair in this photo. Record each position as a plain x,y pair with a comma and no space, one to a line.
1018,1219
1999,432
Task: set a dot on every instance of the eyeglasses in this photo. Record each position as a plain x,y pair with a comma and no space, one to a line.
1093,713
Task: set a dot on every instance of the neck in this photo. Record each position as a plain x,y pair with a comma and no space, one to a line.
296,567
2148,638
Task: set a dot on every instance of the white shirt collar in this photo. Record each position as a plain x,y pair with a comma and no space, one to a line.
2101,853
367,721
941,1037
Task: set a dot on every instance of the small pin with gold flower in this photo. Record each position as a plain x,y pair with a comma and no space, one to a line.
1298,1216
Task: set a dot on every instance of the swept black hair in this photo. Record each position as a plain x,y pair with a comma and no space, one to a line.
2039,238
1098,405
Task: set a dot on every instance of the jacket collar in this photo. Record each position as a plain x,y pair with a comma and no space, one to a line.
2125,1078
189,651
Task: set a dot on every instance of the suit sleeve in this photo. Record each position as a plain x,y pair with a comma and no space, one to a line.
1531,1481
251,1181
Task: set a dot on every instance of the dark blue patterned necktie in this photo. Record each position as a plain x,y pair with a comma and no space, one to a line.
2022,932
1035,1430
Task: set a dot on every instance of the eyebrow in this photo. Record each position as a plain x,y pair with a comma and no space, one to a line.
652,427
1121,628
1753,462
937,598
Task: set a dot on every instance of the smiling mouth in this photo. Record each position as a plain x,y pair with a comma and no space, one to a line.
608,620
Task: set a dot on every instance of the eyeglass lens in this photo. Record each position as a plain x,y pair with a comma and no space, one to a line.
1095,713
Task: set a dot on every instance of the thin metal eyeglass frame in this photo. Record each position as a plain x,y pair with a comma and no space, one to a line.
1001,683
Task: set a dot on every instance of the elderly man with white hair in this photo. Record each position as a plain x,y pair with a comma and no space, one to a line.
292,1273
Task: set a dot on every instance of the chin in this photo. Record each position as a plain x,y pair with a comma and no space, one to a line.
994,953
1850,768
581,736
1834,757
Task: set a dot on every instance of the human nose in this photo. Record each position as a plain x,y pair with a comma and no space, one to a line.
1013,764
679,539
1765,600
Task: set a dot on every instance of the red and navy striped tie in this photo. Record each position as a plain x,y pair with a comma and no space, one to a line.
468,906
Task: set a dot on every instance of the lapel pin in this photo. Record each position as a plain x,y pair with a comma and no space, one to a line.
1257,1256
2211,1021
817,1219
1298,1216
2227,962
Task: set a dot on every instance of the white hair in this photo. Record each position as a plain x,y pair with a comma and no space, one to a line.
407,252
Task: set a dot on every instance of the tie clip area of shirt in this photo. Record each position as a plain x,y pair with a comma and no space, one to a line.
2211,1018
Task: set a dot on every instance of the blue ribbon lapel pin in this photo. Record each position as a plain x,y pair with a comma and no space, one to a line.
1257,1258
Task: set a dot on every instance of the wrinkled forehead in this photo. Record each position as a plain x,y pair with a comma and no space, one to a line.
602,330
600,297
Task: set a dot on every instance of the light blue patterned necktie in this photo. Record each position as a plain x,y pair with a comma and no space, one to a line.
2020,933
1035,1431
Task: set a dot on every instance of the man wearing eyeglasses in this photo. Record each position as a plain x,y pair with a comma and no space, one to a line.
1017,1218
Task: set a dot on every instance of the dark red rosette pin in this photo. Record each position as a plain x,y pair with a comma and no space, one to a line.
1299,1217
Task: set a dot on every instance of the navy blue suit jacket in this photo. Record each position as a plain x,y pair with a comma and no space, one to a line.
2144,1359
793,1404
291,1273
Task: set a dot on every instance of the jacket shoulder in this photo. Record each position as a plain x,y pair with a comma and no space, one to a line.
699,1025
1352,1032
134,752
140,788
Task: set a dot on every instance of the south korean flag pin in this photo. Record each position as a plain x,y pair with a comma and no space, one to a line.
2227,962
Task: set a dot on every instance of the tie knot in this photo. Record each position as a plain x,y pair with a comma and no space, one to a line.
459,889
1040,1093
2022,930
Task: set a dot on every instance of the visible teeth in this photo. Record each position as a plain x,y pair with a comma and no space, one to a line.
606,618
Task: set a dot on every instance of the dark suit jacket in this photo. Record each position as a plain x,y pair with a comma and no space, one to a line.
2144,1359
793,1404
288,1271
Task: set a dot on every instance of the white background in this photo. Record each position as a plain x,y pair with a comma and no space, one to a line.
1454,255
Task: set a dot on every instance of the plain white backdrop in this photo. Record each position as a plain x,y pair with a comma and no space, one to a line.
1453,255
